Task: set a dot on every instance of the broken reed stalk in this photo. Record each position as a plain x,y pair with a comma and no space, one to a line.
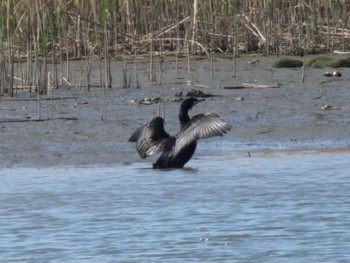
344,20
19,79
188,51
135,64
100,83
151,77
102,90
125,71
50,92
67,59
9,71
188,58
6,67
108,80
39,105
79,38
135,71
55,69
60,77
125,79
194,24
235,49
2,71
160,81
177,62
150,74
303,71
88,73
81,74
103,102
212,65
161,103
36,77
177,36
234,64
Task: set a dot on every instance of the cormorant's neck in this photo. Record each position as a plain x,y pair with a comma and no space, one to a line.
183,117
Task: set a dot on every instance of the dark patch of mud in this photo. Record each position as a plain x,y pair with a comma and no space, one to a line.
74,134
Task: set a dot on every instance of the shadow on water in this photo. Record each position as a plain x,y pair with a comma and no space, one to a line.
173,170
272,206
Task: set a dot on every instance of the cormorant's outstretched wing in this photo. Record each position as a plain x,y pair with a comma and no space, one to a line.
161,145
148,136
200,126
136,135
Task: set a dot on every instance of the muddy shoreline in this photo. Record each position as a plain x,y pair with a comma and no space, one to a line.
313,114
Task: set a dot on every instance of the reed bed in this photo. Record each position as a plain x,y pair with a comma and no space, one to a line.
36,33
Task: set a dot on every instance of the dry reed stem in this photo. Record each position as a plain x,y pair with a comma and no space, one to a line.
59,30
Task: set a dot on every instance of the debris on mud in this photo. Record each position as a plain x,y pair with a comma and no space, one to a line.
252,86
145,101
332,74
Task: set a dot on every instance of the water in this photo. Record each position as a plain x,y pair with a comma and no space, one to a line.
226,207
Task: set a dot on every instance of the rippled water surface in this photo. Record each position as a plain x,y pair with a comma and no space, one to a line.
270,207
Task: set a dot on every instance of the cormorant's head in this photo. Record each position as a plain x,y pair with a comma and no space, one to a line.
157,125
157,121
187,104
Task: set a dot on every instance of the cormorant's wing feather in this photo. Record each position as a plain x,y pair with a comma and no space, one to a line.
149,135
200,126
161,146
136,135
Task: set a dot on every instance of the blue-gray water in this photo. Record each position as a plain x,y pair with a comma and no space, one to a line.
226,207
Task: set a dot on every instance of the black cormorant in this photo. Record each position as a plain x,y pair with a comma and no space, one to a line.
151,138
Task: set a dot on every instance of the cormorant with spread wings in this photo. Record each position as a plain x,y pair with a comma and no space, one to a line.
151,138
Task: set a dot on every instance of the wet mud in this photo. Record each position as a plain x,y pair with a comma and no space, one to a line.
276,108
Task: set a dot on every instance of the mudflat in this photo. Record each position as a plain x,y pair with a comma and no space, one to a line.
266,107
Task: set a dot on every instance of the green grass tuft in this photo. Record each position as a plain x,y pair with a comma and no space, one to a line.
321,62
288,63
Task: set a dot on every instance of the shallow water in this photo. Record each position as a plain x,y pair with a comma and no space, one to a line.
270,207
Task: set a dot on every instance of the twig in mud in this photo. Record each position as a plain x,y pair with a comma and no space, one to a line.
34,99
253,86
38,120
